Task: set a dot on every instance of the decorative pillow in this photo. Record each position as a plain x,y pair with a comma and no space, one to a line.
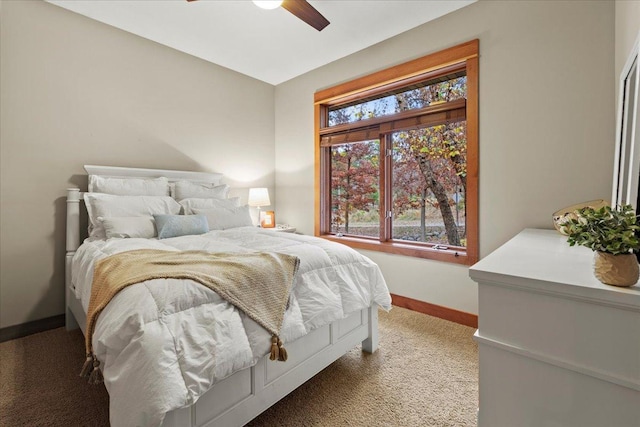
180,225
203,190
129,227
224,218
193,203
108,205
129,186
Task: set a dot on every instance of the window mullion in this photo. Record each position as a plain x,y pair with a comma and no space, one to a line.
326,192
386,184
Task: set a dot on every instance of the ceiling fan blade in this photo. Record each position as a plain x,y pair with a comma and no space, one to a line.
303,10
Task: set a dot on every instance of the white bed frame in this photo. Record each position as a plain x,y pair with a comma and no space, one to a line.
241,397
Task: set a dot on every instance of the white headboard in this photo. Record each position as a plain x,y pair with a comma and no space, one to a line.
172,175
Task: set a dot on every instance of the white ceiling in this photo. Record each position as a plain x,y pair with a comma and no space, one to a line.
270,45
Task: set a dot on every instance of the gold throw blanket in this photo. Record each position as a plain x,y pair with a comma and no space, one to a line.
257,283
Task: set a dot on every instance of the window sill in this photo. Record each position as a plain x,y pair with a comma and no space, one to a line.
398,248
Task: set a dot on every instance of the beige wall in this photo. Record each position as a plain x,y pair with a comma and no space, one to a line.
75,92
546,124
627,28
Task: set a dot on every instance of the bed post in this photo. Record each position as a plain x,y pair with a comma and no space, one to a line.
73,242
370,345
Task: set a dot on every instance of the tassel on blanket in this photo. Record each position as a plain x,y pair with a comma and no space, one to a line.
96,374
87,367
275,354
283,352
91,369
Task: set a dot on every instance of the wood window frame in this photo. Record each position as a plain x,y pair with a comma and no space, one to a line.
461,56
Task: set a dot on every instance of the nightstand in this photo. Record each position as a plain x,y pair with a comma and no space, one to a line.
284,228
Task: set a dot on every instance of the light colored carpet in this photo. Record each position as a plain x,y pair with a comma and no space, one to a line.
425,373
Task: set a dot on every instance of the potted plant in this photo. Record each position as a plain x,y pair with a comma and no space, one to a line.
611,234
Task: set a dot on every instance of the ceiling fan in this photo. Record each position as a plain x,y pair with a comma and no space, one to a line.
300,8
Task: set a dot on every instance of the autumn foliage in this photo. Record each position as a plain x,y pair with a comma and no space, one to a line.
428,166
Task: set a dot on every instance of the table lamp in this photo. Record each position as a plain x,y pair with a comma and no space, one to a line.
259,197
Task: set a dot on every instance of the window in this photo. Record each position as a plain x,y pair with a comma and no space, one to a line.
397,158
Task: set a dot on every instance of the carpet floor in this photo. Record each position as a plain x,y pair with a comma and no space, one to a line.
425,373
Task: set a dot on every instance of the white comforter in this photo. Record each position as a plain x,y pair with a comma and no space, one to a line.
165,342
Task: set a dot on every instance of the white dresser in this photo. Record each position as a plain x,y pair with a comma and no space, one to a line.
556,346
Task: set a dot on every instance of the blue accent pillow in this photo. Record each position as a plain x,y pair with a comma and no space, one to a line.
180,225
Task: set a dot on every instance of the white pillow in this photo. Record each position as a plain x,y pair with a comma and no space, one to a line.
129,186
108,205
187,189
224,218
129,227
193,203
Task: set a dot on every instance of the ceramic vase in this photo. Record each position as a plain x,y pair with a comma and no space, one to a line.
616,270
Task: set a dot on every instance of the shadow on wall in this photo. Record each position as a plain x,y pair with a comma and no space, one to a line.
296,200
58,239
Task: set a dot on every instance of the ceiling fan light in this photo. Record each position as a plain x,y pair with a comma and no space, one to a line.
268,4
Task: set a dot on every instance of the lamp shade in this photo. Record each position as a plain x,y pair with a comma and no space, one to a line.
259,197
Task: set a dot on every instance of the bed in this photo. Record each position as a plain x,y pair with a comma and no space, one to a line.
157,353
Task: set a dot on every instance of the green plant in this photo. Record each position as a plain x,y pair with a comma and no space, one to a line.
605,229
